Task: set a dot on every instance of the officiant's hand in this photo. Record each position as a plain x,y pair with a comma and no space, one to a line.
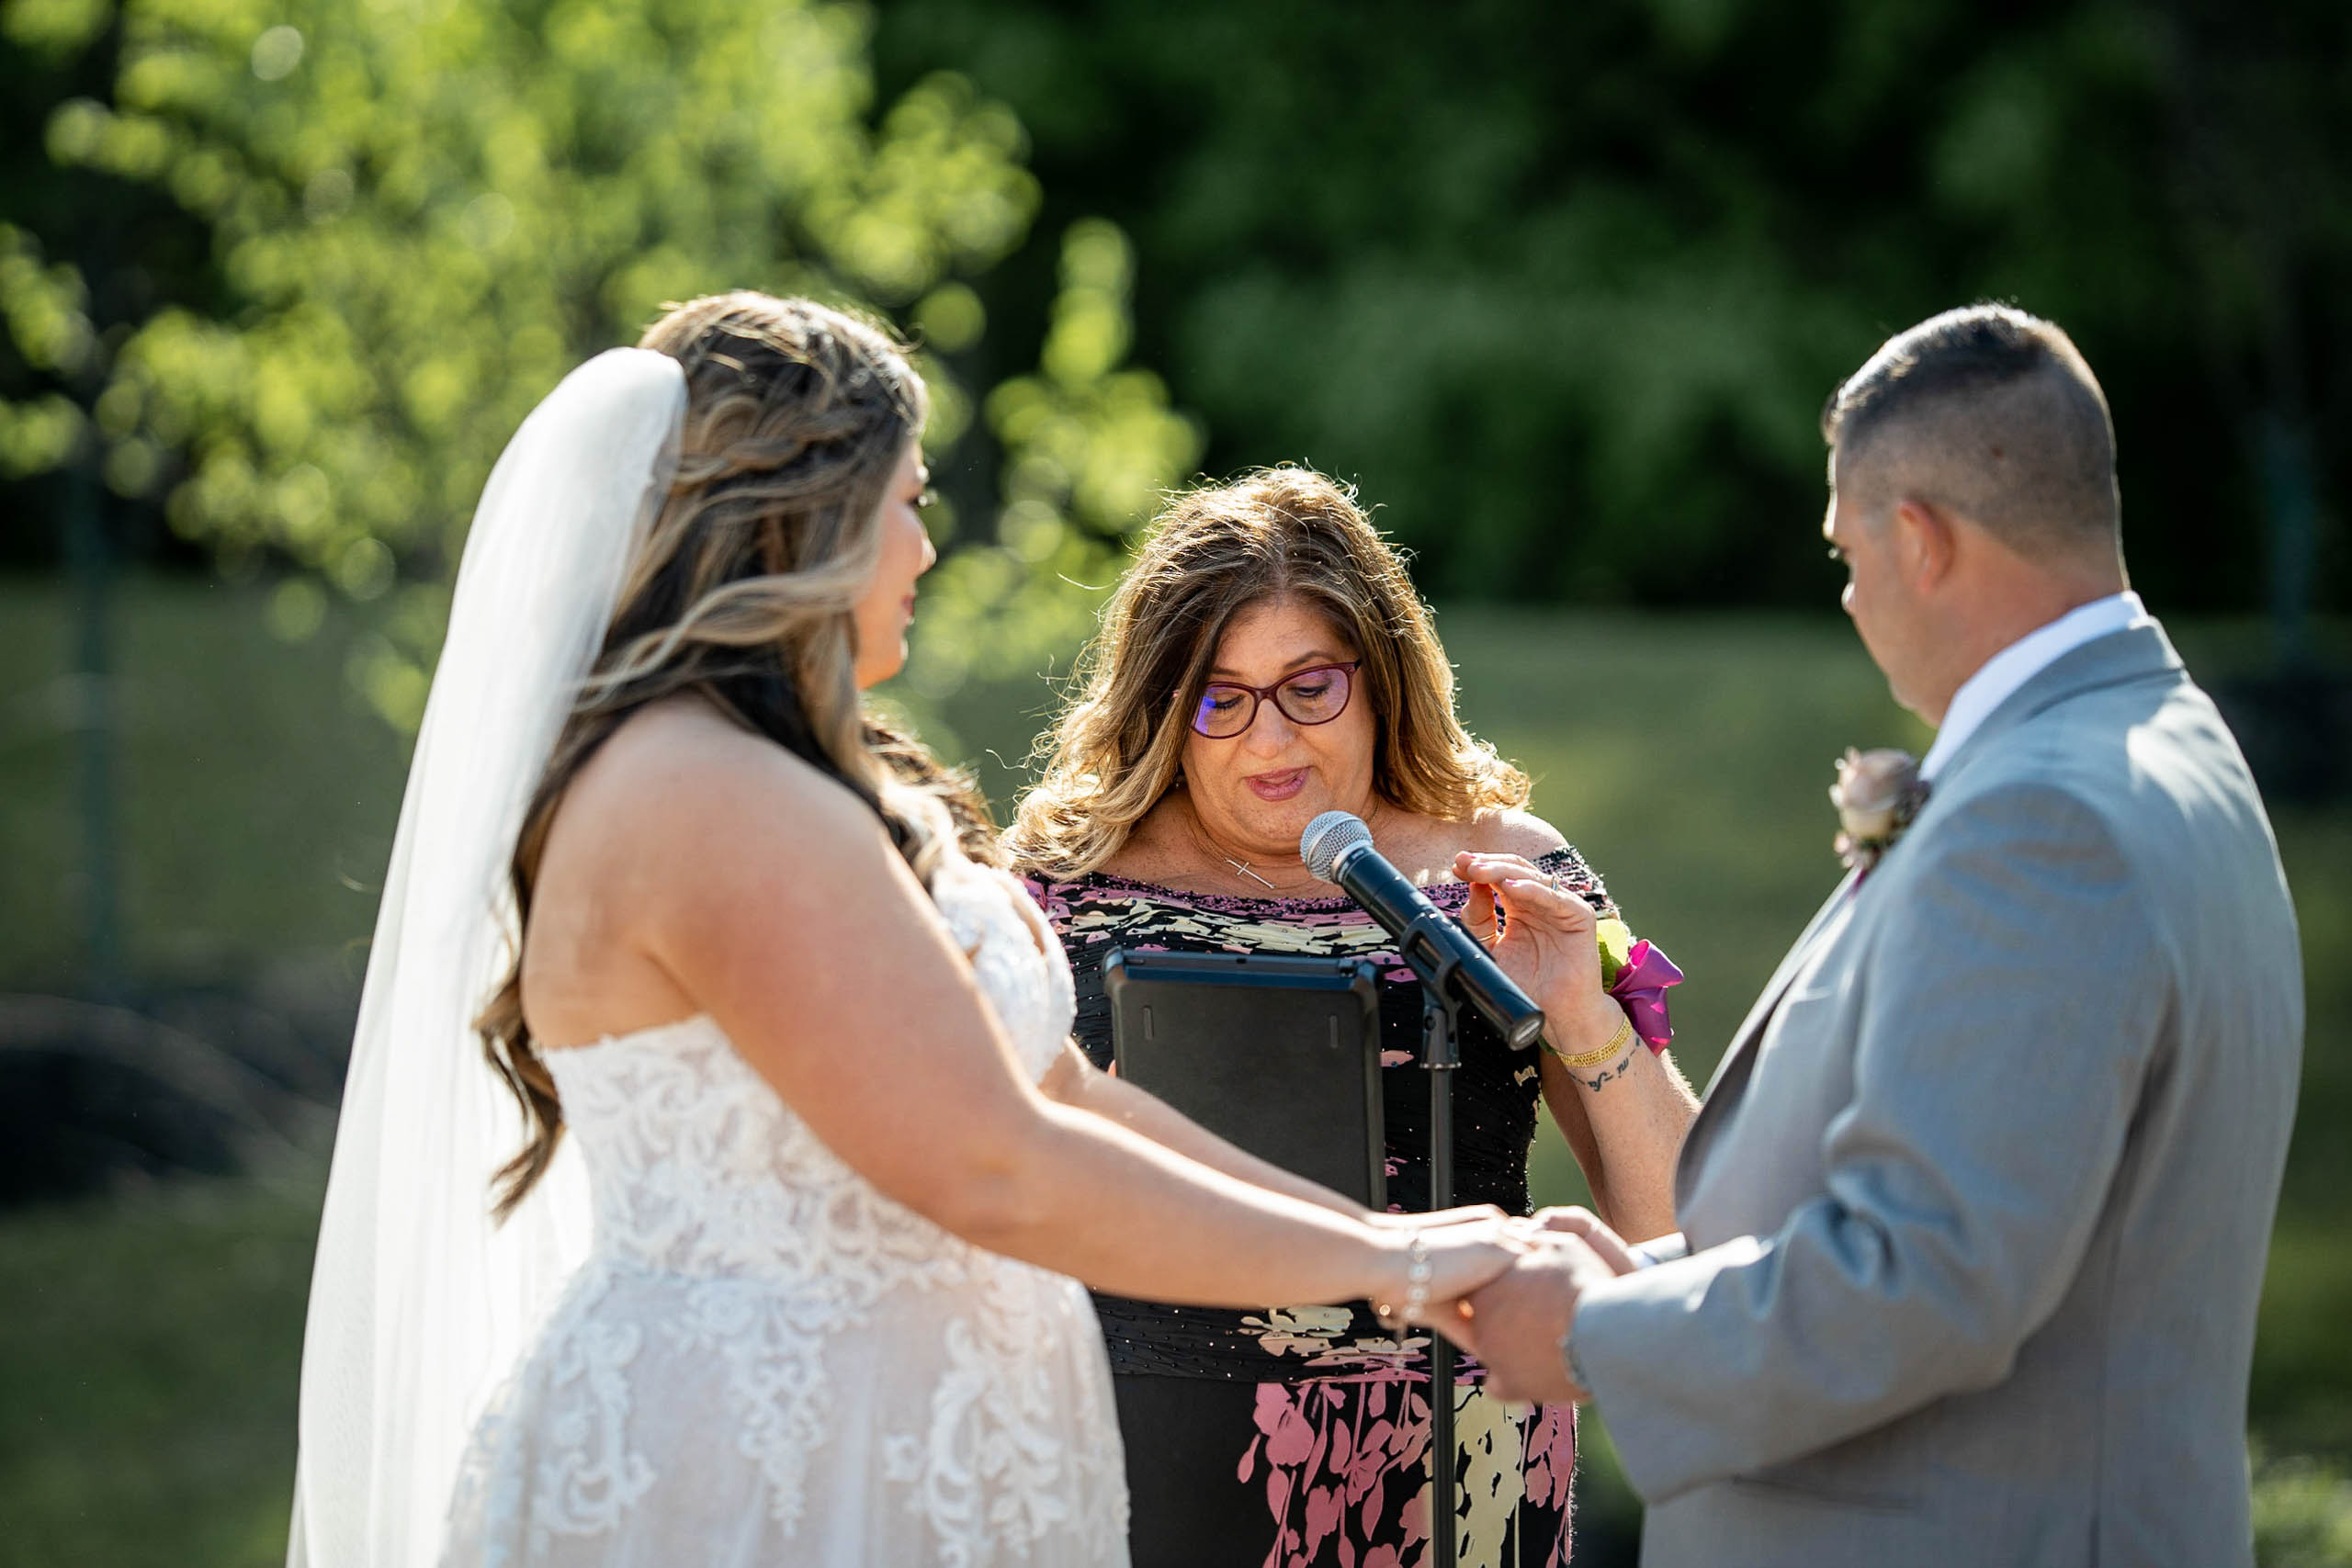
1548,944
1515,1322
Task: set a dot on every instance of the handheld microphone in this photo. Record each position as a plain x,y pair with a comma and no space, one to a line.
1337,847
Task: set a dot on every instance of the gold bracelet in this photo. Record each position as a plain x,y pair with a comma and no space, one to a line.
1594,1058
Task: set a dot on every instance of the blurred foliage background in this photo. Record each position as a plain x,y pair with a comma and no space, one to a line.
1561,287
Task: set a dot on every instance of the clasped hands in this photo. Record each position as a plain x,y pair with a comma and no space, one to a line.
1513,1305
1515,1319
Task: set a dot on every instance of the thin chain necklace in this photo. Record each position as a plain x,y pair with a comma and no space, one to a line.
1242,867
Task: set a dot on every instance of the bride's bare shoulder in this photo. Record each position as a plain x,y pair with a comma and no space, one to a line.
681,776
683,829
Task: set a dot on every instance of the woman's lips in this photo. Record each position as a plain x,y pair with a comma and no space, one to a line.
1277,787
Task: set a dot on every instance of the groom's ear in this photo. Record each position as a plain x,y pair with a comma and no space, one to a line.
1926,542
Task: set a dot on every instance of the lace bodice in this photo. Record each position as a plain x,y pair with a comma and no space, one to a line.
766,1360
698,1168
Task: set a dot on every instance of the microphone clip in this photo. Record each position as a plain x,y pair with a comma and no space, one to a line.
1436,961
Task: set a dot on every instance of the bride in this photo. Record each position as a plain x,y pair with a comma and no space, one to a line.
800,1284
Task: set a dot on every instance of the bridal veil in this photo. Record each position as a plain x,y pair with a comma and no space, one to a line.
419,1303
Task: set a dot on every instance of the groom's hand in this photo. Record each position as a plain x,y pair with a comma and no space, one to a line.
1518,1319
1587,1227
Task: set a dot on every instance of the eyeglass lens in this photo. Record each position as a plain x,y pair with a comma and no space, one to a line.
1309,697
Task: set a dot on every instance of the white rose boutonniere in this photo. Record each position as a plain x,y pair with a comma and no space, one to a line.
1877,795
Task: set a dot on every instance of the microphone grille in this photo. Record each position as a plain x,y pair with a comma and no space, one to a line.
1329,837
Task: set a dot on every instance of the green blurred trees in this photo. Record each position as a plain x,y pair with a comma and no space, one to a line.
2303,1512
1564,285
417,214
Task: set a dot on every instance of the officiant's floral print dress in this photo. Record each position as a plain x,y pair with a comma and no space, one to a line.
1299,1438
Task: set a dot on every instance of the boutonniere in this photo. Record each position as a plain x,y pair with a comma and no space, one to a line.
1877,795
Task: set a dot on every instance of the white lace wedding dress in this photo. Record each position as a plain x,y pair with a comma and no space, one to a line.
766,1362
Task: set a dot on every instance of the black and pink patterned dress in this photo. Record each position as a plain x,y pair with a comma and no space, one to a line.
1298,1437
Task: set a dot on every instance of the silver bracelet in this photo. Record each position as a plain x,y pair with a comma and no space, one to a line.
1419,1272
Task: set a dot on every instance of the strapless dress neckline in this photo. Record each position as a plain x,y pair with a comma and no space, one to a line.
765,1359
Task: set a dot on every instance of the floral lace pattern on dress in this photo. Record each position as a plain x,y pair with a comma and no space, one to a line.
730,1242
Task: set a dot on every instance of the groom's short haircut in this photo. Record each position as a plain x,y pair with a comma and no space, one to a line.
1989,412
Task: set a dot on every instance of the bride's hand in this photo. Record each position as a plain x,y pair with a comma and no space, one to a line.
1549,943
1468,1214
1433,1266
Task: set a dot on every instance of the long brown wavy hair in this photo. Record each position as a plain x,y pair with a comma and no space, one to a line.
742,591
1115,750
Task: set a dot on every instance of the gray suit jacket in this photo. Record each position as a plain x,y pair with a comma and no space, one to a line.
1979,1199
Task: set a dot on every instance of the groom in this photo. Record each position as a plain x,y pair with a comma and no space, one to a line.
1977,1204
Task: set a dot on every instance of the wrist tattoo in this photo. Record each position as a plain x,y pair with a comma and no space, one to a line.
1606,1076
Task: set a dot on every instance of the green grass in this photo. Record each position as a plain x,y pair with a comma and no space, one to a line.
256,795
146,1397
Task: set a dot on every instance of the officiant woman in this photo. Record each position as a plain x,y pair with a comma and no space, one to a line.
1266,659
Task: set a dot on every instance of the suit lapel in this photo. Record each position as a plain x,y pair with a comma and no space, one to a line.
1730,1081
1768,999
2137,652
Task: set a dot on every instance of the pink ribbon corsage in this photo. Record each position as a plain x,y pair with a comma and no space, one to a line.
1640,988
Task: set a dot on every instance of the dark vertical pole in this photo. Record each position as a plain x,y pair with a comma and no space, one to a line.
2290,500
89,556
94,719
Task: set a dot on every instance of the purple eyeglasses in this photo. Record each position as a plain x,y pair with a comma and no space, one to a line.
1228,708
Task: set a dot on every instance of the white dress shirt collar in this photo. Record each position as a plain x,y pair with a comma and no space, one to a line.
2021,661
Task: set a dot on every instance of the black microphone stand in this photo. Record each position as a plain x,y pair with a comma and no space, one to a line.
1435,961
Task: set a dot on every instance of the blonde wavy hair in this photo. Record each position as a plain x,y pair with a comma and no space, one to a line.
1287,532
743,591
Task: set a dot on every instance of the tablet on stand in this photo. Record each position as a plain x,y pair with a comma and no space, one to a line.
1277,1054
